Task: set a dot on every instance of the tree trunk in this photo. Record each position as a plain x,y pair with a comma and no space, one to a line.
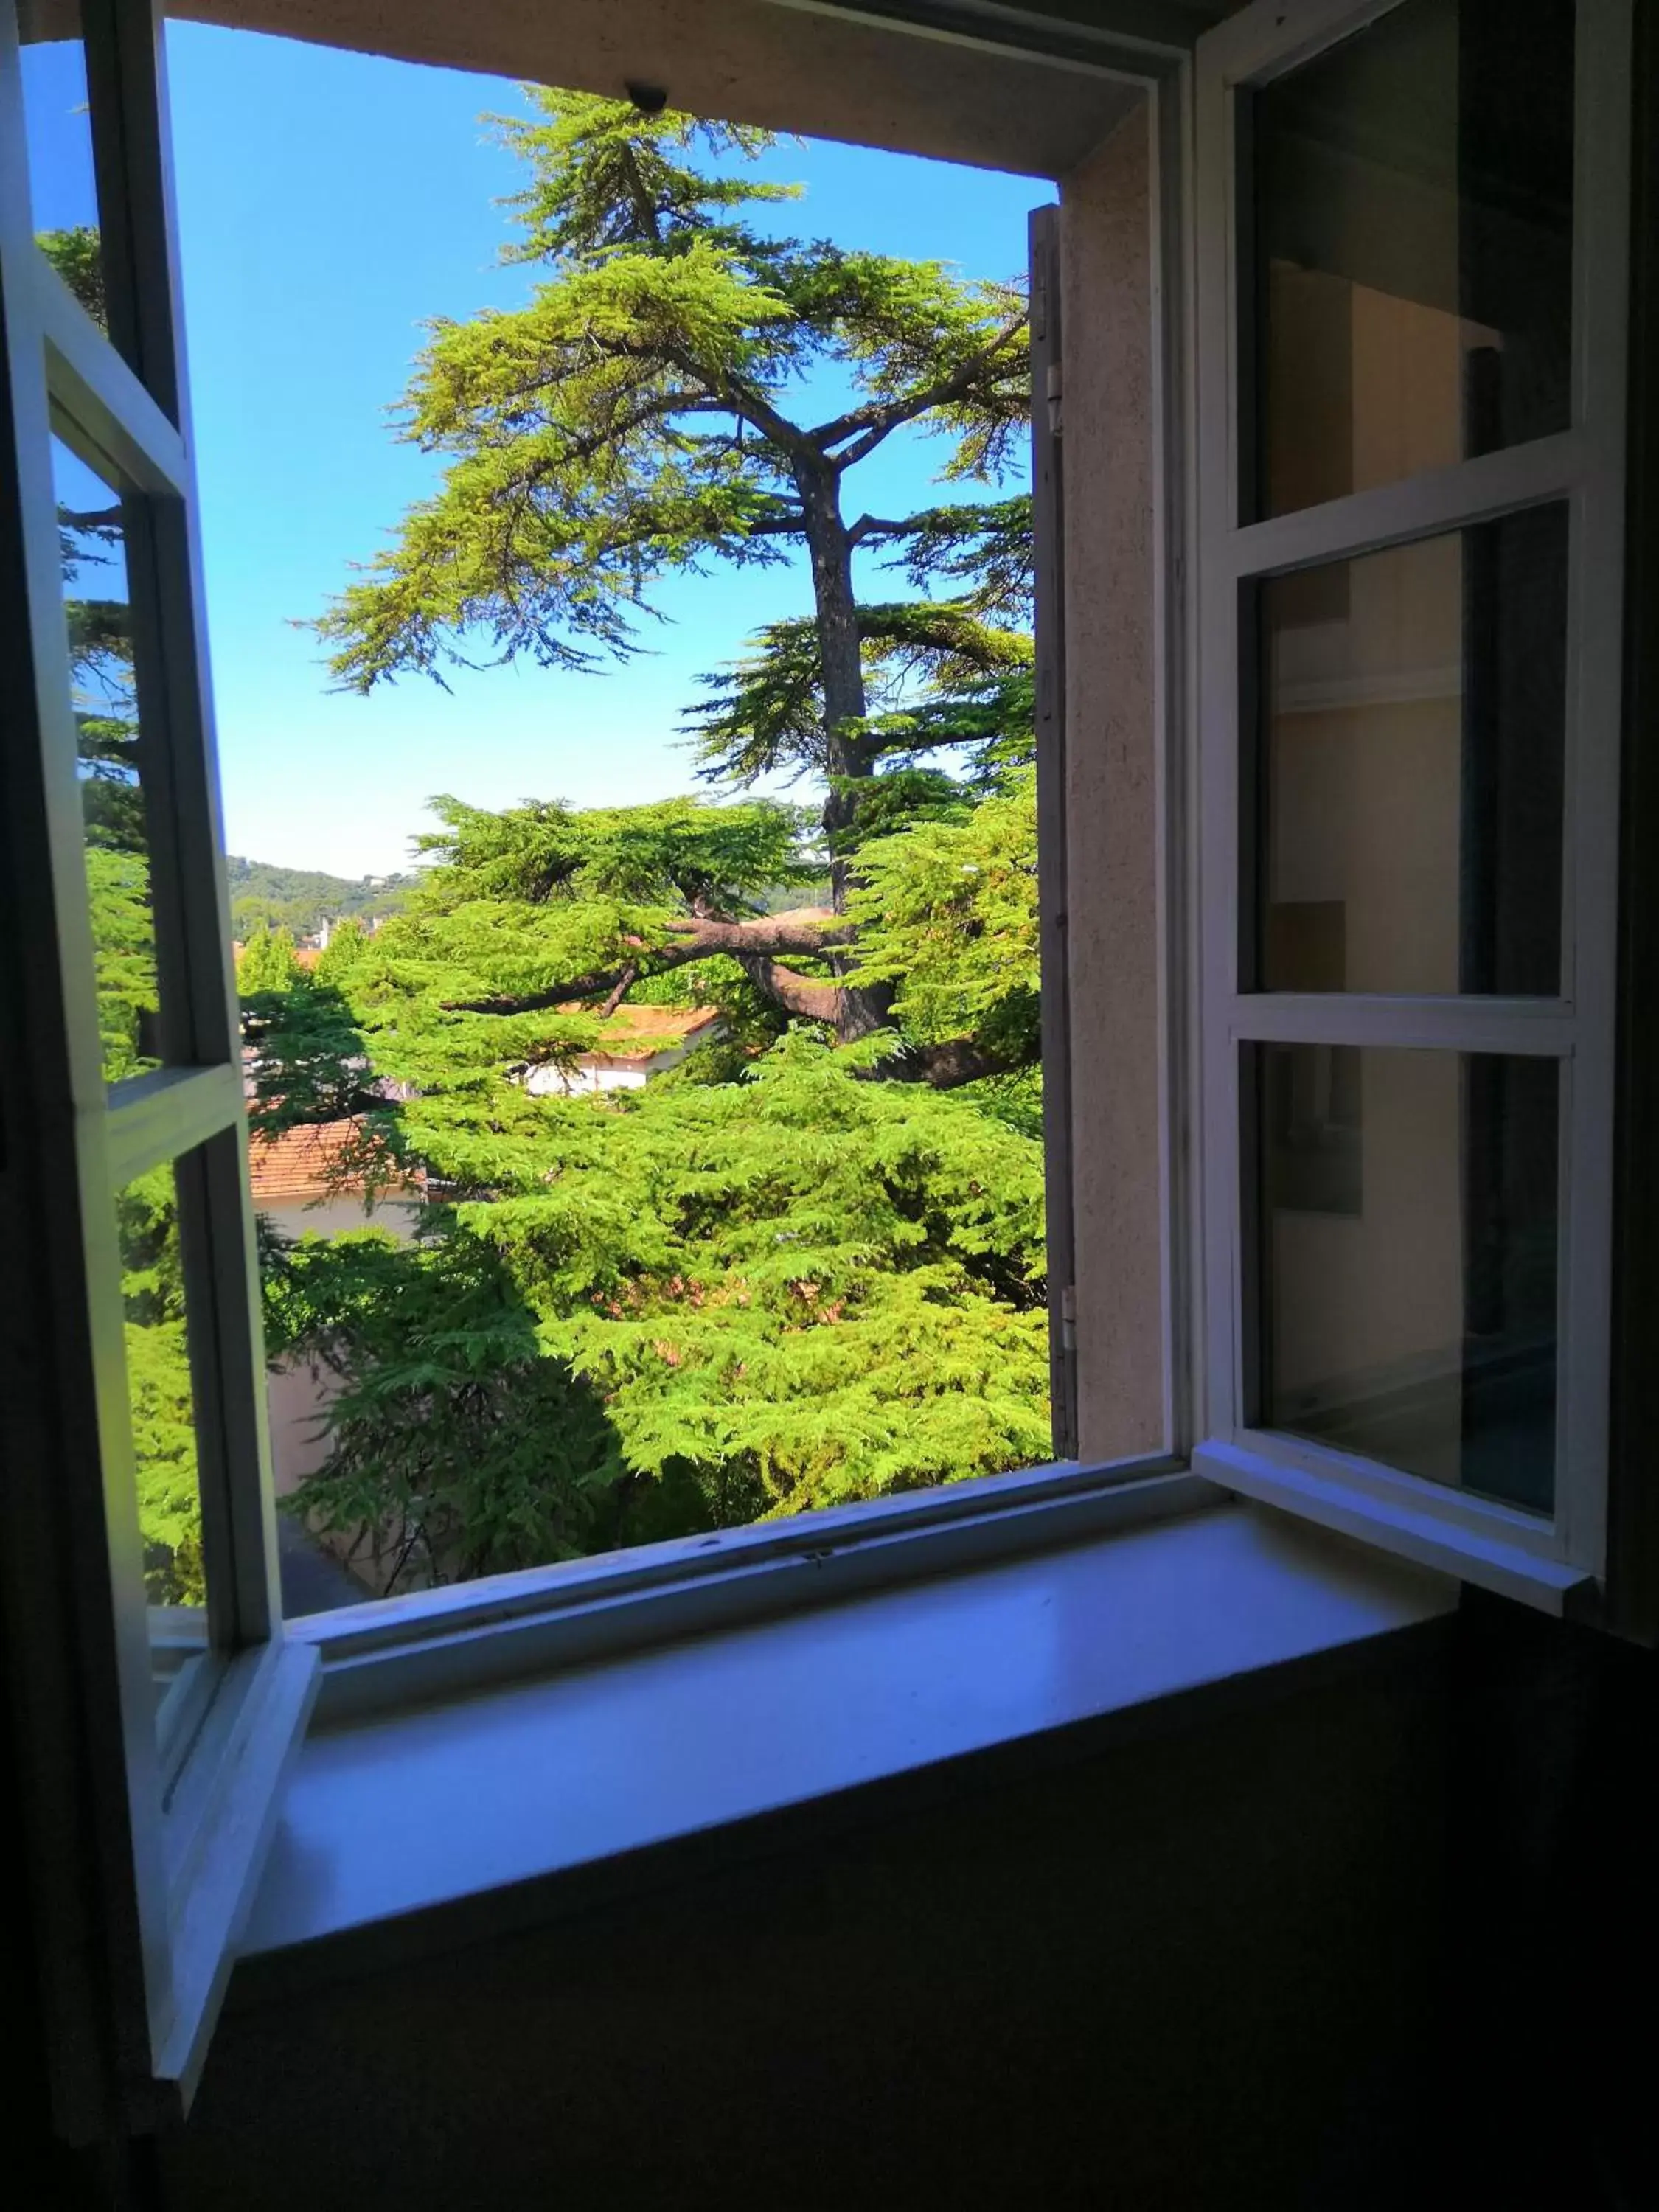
846,754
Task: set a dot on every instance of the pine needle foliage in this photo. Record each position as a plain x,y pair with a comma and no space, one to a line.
797,1289
806,1266
643,415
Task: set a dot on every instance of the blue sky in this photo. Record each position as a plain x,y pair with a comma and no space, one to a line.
328,204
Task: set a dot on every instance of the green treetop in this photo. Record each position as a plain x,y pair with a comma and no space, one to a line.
641,417
267,963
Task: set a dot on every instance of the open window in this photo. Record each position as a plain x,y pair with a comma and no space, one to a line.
133,1406
1327,996
1412,248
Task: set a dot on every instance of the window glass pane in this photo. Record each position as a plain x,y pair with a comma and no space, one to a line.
58,123
1413,247
163,1409
1408,1253
1409,786
92,521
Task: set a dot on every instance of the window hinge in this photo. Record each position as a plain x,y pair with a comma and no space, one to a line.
1068,1318
1052,386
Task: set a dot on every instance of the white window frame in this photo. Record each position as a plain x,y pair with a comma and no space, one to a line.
393,1651
1556,1562
160,1865
167,1852
145,1862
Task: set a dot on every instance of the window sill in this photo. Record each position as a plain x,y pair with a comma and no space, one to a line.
457,1821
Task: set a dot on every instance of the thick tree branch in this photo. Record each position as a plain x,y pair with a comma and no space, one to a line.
745,401
620,989
942,1066
877,526
659,408
813,1001
808,930
877,418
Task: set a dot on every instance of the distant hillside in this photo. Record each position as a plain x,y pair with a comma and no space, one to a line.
302,899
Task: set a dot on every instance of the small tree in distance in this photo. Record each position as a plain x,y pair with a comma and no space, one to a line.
267,963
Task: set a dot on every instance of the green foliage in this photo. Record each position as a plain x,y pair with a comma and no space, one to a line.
340,956
299,900
124,952
935,673
605,178
674,852
811,1287
980,550
164,1446
629,422
765,1282
158,1391
267,963
457,1448
793,1290
543,900
947,913
775,1277
77,255
310,1058
106,707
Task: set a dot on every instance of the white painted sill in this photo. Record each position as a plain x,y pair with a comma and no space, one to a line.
420,1827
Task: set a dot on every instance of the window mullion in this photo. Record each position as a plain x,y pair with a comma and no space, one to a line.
100,393
1440,499
154,1118
1549,1028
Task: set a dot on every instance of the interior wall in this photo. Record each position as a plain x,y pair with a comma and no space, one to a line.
1203,1971
1107,459
745,61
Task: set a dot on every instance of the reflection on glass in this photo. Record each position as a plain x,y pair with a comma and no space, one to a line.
57,125
1407,1255
1413,247
1410,766
163,1406
92,536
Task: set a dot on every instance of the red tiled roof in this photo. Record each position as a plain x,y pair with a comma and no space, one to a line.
301,1164
642,1032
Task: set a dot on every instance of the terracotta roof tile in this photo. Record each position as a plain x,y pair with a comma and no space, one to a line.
642,1032
299,1162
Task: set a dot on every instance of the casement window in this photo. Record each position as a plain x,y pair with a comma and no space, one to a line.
1330,728
1411,240
122,1112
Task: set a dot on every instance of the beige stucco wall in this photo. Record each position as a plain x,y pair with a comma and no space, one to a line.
1108,454
745,61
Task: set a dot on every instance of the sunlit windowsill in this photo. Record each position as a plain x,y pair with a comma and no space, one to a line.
458,1819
